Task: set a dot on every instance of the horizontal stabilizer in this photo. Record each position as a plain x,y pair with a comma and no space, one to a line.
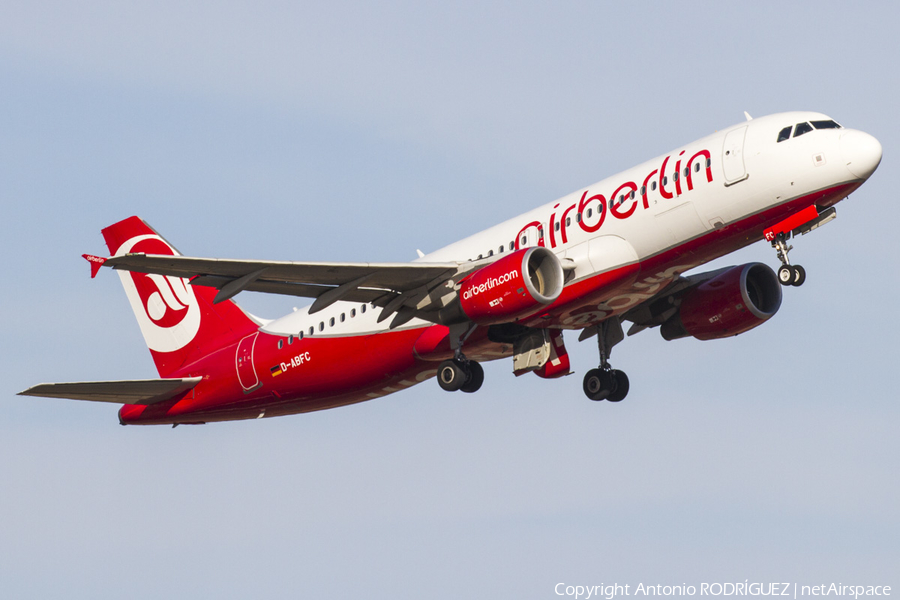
134,391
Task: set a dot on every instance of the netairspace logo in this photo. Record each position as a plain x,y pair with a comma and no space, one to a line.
744,588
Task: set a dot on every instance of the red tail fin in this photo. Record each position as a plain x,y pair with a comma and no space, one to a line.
179,321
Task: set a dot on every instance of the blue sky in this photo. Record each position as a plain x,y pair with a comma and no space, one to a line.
363,132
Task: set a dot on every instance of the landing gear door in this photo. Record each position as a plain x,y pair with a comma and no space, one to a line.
733,156
244,362
531,351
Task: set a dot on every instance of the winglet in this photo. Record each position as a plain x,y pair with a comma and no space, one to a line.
96,263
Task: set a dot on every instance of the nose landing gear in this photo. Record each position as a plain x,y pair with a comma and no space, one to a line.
788,274
799,223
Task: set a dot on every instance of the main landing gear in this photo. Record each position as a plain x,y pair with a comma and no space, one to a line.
459,373
788,274
604,382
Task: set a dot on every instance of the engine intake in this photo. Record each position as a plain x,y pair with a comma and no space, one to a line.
511,288
736,301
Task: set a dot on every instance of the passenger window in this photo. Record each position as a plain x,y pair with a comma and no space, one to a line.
802,128
675,176
556,226
352,312
696,167
331,322
826,125
311,331
290,340
490,252
300,335
578,217
523,240
708,163
321,325
666,180
653,186
343,317
512,246
280,344
568,221
687,171
362,308
501,249
784,133
590,212
643,190
631,195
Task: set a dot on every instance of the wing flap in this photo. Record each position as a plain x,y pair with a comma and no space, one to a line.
303,290
133,391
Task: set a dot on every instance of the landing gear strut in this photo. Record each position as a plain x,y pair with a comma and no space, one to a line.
460,373
788,274
604,382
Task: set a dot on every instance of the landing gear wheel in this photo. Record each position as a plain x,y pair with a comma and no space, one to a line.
620,390
475,379
597,384
451,375
786,275
799,276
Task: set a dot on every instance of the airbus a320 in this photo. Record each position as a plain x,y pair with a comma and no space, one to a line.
618,253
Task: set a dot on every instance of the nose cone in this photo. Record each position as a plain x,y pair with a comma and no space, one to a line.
861,152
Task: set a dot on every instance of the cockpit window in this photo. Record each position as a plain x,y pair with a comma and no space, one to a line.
826,125
785,133
802,128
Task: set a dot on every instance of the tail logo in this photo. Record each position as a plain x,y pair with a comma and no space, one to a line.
166,307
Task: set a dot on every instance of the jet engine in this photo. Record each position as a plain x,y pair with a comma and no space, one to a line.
731,303
513,287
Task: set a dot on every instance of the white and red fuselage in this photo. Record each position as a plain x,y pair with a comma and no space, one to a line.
622,241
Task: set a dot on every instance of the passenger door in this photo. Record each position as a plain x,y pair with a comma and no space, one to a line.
244,363
733,156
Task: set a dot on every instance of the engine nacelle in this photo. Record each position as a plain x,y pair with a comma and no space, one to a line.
511,288
734,302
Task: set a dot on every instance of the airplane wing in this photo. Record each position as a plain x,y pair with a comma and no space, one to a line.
134,391
397,287
660,308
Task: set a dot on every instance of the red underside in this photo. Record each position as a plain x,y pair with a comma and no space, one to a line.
337,371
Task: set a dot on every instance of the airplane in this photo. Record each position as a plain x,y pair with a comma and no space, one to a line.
613,253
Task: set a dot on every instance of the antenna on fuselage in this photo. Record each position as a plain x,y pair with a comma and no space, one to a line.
746,114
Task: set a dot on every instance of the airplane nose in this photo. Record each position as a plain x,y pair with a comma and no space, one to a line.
861,152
